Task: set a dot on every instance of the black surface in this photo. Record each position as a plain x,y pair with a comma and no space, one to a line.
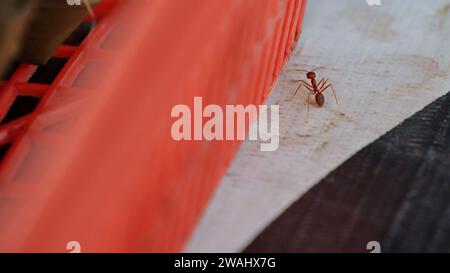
395,191
157,262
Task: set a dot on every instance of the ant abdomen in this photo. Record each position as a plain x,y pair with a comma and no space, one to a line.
320,99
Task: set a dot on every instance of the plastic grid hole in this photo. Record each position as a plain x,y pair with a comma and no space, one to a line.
29,93
48,72
4,149
79,34
21,106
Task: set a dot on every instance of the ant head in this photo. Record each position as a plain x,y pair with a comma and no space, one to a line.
310,75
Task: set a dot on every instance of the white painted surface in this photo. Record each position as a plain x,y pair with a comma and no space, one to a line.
386,63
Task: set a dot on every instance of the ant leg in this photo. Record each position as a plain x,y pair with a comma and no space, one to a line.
321,83
295,92
307,107
307,85
302,83
334,94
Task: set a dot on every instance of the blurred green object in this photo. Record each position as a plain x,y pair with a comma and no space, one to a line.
14,18
52,23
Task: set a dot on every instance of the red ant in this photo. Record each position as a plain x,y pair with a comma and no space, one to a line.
315,89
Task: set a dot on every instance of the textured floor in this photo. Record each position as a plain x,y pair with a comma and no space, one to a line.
386,62
395,191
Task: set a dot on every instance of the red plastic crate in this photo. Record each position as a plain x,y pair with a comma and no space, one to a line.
95,161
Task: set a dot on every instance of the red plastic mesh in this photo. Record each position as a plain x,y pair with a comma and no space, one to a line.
94,161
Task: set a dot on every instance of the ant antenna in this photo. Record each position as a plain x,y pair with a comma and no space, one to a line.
317,68
302,70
